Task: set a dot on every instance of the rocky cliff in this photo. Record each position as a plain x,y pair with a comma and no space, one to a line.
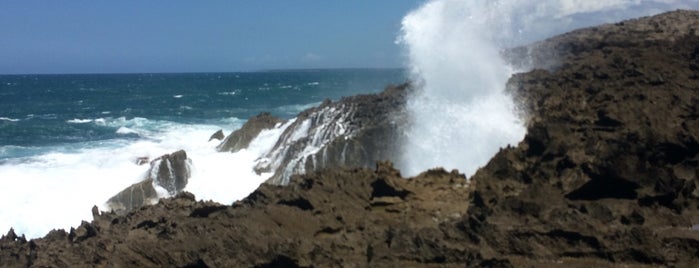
606,176
608,169
354,131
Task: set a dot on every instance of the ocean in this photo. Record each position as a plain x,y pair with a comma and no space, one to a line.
68,142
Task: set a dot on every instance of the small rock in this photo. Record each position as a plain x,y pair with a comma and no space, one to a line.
218,135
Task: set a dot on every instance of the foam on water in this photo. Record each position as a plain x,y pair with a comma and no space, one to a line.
9,119
57,189
79,121
461,116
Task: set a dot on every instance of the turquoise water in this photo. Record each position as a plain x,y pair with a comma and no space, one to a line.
68,142
63,110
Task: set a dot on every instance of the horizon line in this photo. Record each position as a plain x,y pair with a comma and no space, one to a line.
215,72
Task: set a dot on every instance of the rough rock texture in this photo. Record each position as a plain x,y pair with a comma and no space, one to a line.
608,170
355,131
170,171
563,49
346,217
606,177
242,137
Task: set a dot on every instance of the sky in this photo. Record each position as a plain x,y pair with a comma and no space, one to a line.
198,36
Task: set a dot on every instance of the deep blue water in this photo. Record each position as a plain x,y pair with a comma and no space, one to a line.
58,110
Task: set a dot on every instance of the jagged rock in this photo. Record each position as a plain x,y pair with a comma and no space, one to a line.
218,135
84,231
242,137
608,167
321,219
170,171
11,236
355,131
543,203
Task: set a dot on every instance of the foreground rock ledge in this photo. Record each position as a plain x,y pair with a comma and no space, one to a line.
606,176
332,218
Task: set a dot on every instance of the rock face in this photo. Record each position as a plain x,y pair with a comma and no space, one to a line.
242,137
355,131
608,170
334,218
606,177
170,172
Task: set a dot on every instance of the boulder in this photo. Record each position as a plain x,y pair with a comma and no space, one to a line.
170,172
242,137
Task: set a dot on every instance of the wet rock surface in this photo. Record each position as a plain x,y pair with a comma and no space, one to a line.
242,137
354,131
333,218
170,172
606,176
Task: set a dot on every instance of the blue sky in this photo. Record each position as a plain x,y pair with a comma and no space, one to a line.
198,36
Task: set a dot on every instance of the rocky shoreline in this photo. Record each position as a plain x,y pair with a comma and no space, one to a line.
607,175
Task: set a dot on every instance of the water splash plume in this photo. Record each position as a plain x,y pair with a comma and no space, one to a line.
460,115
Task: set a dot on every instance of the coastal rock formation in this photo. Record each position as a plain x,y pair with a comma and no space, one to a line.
242,137
169,172
605,177
608,169
355,131
333,218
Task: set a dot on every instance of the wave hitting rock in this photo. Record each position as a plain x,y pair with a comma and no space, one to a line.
606,175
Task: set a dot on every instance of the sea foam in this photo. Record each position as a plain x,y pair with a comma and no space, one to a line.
57,189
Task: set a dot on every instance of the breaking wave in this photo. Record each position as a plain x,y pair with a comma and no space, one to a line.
460,115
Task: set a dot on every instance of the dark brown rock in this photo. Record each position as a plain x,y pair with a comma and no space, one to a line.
242,137
355,131
606,177
170,171
324,219
608,168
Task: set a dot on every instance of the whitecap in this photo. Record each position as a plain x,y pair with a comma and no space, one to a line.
125,130
313,83
79,121
8,119
177,96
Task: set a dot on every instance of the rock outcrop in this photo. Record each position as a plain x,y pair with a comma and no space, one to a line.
607,176
169,172
356,131
242,137
608,169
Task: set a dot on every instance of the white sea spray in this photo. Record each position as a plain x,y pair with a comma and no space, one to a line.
460,115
